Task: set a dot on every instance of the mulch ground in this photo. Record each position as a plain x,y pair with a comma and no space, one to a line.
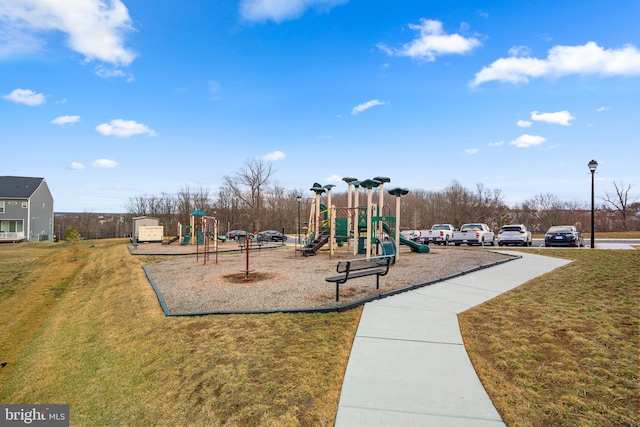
278,278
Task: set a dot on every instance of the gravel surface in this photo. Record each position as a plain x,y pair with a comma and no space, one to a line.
281,279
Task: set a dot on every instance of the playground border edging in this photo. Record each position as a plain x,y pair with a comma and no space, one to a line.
339,308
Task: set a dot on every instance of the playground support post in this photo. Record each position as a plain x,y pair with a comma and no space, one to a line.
397,236
369,184
398,192
356,202
331,220
349,205
350,181
369,223
299,200
215,237
381,180
247,242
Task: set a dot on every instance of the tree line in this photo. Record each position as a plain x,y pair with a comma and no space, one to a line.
251,200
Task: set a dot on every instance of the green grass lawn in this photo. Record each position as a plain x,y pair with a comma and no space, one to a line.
559,350
91,333
562,349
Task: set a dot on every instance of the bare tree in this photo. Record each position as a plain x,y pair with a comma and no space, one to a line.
620,202
185,204
87,224
168,208
458,205
249,183
137,205
201,200
490,206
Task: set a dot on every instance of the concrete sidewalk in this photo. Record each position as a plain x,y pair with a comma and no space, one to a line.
408,365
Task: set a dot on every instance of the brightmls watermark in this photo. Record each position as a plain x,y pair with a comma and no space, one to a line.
34,415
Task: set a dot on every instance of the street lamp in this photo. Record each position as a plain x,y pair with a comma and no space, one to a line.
299,200
592,167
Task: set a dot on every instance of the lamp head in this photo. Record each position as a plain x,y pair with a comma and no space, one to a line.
593,165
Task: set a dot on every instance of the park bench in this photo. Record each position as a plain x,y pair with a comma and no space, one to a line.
362,267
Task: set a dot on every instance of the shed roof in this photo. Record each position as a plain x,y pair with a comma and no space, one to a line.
18,187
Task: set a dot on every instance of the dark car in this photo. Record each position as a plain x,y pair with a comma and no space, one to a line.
271,236
563,235
237,234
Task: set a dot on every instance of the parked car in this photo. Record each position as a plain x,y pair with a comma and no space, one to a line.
473,234
563,235
439,234
514,234
237,234
412,235
271,236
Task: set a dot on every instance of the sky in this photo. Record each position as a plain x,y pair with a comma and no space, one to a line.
114,99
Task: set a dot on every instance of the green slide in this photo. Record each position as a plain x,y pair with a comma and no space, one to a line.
415,247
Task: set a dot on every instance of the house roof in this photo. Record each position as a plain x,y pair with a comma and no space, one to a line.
18,187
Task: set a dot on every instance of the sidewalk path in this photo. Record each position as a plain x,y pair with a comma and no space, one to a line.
408,365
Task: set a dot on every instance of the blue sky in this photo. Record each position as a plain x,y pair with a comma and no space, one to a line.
108,100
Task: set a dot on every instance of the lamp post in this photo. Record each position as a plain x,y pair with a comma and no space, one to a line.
592,167
299,200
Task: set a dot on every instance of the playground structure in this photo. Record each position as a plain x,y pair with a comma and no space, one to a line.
201,231
375,233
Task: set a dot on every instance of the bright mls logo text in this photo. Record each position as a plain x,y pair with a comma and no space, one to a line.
37,415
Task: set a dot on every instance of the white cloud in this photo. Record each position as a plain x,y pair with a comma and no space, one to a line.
559,118
471,151
94,28
524,123
104,163
602,108
282,10
526,141
273,156
432,42
519,51
365,106
588,59
63,120
334,179
112,73
26,97
124,128
76,165
496,144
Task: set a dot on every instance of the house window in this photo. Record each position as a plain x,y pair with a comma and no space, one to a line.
43,205
11,226
24,205
1,207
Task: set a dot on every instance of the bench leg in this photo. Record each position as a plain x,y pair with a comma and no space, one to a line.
337,291
377,281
